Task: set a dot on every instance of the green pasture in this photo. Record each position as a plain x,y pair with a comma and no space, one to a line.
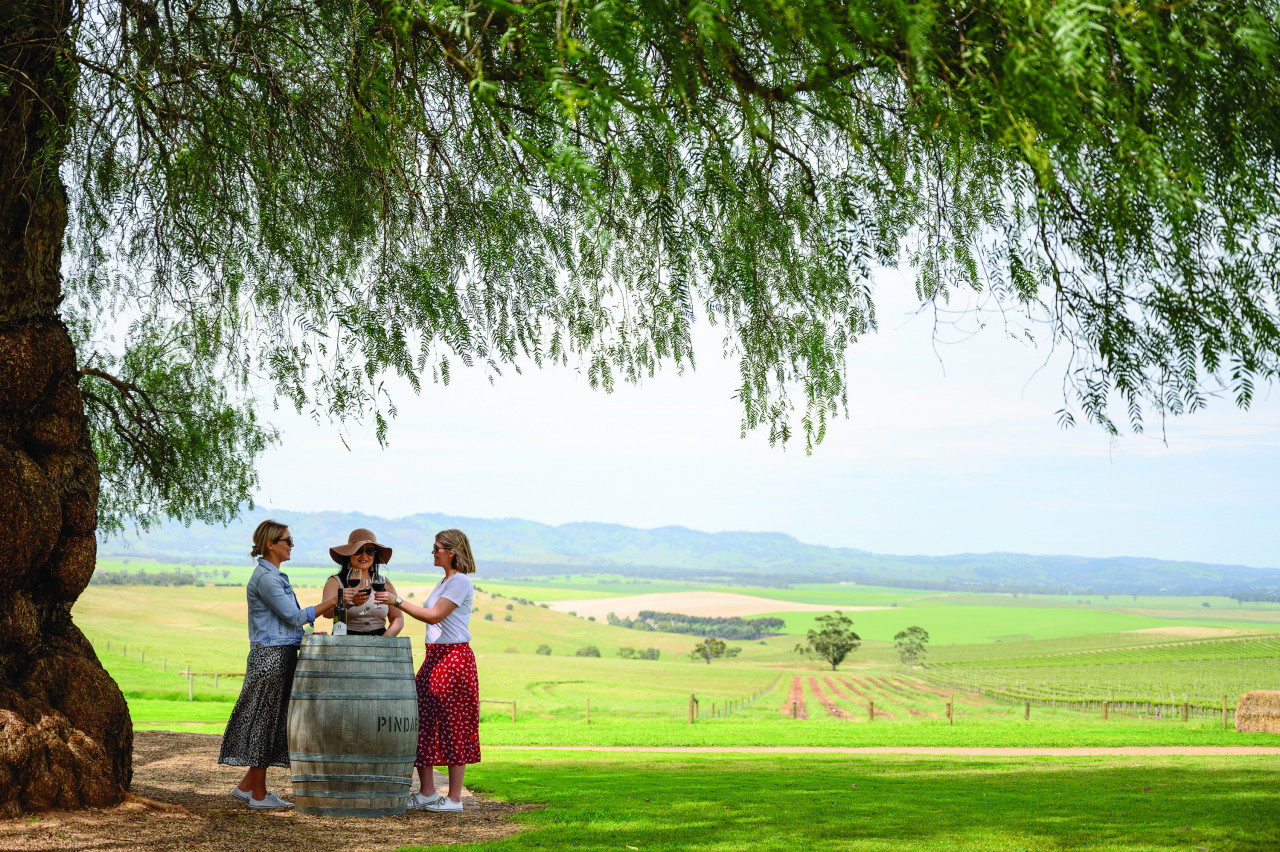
146,635
966,625
719,802
585,586
239,573
581,587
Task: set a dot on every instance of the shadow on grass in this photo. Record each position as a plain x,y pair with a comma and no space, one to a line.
832,802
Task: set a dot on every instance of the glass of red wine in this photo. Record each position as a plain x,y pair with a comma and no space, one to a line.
354,577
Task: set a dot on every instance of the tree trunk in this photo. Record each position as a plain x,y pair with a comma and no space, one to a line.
66,738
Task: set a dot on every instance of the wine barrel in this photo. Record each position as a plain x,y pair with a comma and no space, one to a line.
353,725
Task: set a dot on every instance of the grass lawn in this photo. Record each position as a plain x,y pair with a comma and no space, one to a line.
730,802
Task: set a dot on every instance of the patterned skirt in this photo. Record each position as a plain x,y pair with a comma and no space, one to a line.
257,732
448,707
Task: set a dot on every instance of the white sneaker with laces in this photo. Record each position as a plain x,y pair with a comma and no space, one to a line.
269,802
444,805
418,801
242,795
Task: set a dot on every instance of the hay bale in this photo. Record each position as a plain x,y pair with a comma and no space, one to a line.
1258,712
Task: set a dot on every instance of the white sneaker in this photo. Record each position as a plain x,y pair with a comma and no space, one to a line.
443,804
242,795
418,801
269,802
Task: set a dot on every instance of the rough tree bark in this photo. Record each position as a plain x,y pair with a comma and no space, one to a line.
65,734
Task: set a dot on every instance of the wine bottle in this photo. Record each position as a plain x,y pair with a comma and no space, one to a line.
340,616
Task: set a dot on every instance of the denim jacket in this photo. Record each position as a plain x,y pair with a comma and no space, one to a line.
275,618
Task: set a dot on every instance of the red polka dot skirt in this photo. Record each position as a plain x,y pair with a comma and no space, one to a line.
448,707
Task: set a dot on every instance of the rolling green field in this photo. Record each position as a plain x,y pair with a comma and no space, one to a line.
147,636
1052,649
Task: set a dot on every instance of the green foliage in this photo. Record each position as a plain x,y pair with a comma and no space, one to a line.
170,443
832,641
910,644
629,653
587,651
727,628
544,650
142,577
708,649
506,617
488,616
327,194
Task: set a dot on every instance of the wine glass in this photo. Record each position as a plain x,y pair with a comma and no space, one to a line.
354,577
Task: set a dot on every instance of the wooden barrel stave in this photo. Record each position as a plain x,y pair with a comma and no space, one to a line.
352,748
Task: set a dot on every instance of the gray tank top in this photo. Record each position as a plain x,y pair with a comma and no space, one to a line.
366,617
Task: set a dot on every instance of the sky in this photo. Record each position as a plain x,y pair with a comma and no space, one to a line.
949,447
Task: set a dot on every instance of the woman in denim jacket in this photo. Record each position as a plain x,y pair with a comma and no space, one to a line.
256,734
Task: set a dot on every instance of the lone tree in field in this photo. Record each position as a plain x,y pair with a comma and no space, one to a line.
709,649
209,204
833,640
910,644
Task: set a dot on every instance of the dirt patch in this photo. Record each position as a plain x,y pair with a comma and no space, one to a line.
181,801
853,686
716,604
827,703
794,707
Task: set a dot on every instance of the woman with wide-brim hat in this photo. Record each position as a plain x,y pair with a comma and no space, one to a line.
360,559
448,688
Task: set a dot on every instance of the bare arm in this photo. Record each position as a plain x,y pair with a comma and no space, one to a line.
435,615
395,618
330,590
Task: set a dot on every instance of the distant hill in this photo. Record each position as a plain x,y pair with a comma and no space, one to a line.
514,547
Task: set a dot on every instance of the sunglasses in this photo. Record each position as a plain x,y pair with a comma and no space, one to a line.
438,547
368,551
288,541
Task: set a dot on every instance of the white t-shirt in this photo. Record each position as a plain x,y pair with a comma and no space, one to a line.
454,627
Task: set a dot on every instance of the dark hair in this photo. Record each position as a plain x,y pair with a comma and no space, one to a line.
346,569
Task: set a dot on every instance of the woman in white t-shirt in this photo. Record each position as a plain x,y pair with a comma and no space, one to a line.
448,689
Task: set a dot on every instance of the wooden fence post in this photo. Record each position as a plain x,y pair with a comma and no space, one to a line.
1026,711
794,711
1224,711
588,711
1106,706
1186,710
215,680
513,712
191,684
950,721
691,699
713,709
143,658
871,711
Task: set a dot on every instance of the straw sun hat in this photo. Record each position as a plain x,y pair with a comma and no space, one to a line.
358,539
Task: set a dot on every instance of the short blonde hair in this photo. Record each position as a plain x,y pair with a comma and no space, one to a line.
455,541
268,532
